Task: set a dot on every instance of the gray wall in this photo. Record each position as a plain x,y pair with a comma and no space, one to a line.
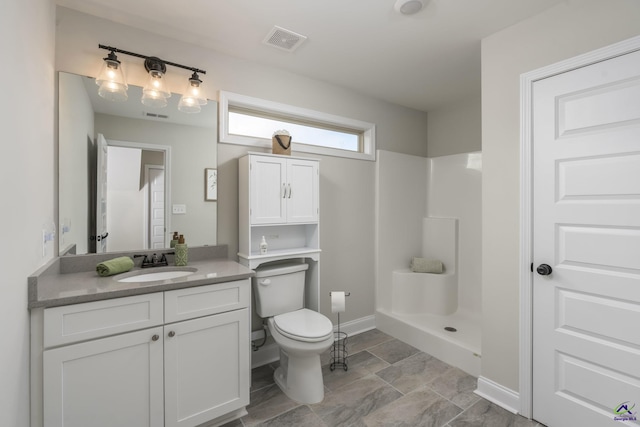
455,128
27,31
347,186
75,127
570,29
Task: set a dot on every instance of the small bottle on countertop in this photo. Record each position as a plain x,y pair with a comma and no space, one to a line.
174,240
182,252
263,246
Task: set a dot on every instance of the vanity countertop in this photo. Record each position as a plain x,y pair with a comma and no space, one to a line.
52,286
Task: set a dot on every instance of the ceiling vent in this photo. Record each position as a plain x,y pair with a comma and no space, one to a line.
284,39
155,116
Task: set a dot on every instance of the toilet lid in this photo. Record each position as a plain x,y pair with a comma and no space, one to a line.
304,325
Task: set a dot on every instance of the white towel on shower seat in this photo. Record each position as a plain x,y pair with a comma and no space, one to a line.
424,265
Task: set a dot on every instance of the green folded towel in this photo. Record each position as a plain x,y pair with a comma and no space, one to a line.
114,266
423,265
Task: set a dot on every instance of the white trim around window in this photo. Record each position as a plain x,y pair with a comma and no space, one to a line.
229,99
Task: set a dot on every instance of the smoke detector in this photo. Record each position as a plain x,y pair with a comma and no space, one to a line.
409,7
284,39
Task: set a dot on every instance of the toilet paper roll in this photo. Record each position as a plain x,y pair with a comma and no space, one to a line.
337,301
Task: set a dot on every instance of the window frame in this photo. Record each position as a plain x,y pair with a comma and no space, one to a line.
229,100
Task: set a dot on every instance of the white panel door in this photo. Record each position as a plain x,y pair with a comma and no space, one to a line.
268,190
302,191
206,368
115,381
156,208
586,339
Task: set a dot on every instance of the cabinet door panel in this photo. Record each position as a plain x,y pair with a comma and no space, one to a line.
302,194
78,322
268,188
115,381
206,368
200,301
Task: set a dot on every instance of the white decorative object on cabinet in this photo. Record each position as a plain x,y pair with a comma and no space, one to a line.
187,366
279,199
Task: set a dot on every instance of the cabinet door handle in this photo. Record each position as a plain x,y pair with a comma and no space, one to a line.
172,334
284,190
155,337
289,190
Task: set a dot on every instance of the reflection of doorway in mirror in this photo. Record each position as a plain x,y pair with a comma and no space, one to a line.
154,215
137,195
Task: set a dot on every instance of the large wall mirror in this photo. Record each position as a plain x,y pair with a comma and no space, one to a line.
152,182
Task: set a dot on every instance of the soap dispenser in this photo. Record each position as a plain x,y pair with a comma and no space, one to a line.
181,252
174,240
263,246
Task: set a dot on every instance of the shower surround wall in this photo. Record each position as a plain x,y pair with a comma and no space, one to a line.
409,189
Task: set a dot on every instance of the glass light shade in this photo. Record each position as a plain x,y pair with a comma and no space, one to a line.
111,80
189,105
155,92
113,91
153,99
192,98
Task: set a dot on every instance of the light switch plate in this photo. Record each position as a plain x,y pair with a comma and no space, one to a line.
179,209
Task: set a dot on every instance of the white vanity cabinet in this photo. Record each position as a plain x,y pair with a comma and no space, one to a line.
174,358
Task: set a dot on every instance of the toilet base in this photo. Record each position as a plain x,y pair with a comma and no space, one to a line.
300,378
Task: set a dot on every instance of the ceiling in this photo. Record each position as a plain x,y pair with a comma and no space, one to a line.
423,61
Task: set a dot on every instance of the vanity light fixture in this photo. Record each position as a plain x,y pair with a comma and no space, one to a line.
111,79
155,93
192,99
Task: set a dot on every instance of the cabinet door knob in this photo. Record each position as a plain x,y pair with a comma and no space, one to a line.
172,334
289,190
265,282
155,337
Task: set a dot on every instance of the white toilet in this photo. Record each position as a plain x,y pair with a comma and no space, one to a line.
301,334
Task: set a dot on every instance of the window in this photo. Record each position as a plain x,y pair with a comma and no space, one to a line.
252,121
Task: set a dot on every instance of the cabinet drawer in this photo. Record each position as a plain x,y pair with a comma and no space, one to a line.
79,322
189,303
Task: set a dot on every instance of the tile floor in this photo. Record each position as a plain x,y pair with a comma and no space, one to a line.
388,383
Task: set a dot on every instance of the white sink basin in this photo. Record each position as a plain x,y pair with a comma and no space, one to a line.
154,276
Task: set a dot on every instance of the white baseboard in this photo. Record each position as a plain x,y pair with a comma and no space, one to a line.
500,395
357,326
270,353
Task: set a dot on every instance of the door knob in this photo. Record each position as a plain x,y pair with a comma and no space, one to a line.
544,269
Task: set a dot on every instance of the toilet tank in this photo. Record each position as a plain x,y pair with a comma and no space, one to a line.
279,288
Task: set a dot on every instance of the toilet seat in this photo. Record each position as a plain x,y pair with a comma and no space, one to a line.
304,325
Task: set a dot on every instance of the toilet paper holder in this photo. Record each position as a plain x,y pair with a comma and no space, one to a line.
339,352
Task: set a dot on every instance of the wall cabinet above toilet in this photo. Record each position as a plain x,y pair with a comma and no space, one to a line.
282,190
278,199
